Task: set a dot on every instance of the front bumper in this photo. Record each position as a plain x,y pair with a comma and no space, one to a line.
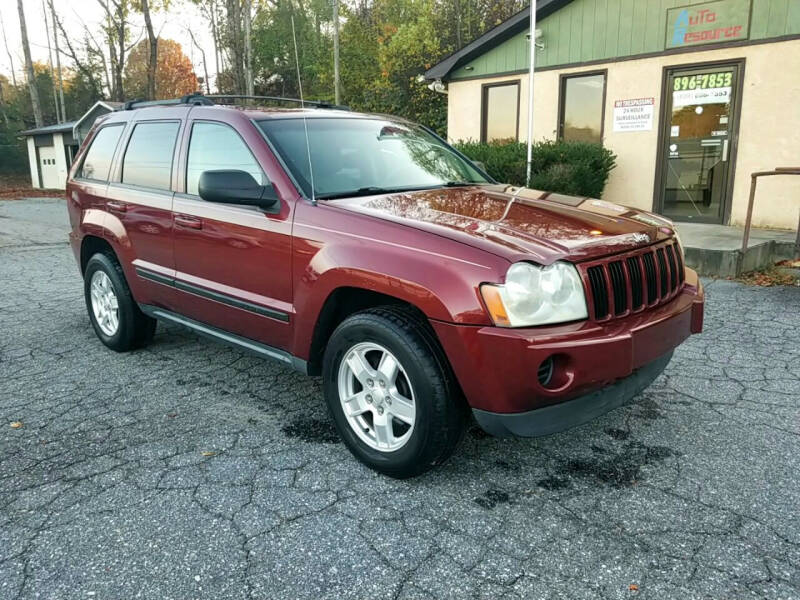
497,367
558,417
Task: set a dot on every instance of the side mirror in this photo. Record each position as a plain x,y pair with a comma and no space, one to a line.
236,187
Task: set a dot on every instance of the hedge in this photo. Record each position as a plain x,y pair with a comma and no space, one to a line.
575,168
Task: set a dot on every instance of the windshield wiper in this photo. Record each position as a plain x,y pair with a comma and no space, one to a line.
458,183
364,191
375,189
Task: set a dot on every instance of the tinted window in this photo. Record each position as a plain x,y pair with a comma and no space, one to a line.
582,108
359,156
215,146
500,112
148,159
97,163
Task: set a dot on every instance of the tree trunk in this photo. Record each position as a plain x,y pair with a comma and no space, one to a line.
337,94
234,10
119,22
203,56
152,65
58,62
37,108
50,63
215,34
10,58
248,50
2,103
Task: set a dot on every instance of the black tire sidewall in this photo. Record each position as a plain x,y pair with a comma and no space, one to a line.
123,338
404,460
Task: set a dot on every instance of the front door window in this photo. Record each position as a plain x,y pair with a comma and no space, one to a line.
697,139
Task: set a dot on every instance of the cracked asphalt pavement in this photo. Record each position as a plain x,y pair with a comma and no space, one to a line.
192,470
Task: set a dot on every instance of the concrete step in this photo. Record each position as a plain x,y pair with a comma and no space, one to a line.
715,250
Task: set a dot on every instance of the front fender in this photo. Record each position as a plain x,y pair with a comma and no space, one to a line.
438,276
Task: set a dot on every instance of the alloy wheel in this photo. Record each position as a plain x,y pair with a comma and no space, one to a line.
105,305
376,396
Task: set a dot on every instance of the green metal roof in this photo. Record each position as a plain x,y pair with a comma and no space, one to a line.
56,128
580,31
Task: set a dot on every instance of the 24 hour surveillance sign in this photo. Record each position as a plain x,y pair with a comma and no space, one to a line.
635,114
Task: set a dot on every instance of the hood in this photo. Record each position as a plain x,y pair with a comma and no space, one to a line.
520,223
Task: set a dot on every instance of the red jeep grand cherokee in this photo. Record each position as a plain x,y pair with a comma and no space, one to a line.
365,249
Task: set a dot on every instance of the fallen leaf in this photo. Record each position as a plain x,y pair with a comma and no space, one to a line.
208,453
16,424
633,587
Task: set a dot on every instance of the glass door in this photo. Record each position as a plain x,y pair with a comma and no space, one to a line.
699,122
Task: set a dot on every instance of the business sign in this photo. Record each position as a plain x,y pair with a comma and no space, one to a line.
708,23
634,115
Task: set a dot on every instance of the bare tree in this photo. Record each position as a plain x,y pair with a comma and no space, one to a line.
235,43
58,61
2,103
203,55
337,94
37,107
248,49
116,36
93,49
50,62
10,58
84,66
153,58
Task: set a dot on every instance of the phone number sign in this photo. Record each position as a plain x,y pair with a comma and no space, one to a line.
635,114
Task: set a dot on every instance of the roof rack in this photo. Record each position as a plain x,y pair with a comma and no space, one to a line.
311,103
198,99
195,99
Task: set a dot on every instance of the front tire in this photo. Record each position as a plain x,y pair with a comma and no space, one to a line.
391,393
115,316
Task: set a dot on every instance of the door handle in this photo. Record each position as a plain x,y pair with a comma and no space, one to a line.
117,206
187,221
725,150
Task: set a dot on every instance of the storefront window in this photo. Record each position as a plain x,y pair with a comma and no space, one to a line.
500,112
581,115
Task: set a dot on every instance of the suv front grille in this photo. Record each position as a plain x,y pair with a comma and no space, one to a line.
620,285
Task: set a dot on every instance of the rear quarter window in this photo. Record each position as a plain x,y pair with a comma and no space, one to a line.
97,163
148,158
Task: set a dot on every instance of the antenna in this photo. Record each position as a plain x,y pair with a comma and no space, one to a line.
303,106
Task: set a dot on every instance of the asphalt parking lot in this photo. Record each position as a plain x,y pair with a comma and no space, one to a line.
192,470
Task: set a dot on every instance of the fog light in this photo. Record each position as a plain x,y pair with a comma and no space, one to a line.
545,373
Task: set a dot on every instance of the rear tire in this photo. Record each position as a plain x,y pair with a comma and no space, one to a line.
398,420
115,316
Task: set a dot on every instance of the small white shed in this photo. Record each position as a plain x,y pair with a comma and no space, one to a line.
51,149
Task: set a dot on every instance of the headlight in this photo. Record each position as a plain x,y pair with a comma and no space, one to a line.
536,296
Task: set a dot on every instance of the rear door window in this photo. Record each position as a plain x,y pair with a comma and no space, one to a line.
97,163
148,158
217,146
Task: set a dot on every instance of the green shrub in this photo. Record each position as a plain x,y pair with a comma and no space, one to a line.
576,168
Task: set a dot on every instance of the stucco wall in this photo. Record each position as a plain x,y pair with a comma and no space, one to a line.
768,132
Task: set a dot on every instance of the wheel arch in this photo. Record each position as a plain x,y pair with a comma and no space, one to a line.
341,303
91,245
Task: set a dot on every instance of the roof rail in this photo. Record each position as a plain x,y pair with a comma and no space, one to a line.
194,99
311,103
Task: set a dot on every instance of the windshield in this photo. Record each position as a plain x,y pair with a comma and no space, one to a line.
353,157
